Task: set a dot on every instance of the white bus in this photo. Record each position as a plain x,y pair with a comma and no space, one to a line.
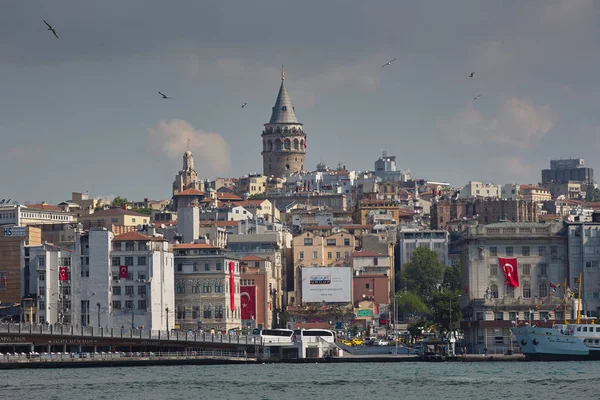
314,334
274,335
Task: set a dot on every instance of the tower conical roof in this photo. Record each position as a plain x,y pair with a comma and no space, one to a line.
283,110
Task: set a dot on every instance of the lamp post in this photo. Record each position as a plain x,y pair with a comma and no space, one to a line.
167,311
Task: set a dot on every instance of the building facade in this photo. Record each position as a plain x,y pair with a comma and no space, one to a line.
283,138
207,289
410,239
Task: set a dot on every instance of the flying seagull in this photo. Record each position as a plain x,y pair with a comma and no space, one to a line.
244,105
478,96
164,96
388,63
50,28
472,74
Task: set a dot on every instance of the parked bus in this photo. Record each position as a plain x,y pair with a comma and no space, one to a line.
274,335
308,334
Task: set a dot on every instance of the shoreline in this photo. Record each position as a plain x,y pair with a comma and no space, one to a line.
145,361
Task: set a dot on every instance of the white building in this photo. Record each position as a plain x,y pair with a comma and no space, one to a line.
479,189
147,295
33,214
409,239
510,191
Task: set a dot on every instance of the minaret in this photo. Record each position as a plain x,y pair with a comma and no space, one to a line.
284,140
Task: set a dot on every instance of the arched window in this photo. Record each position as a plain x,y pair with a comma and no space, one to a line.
302,143
269,145
526,291
543,289
510,292
296,144
494,291
195,312
180,312
277,144
287,144
207,311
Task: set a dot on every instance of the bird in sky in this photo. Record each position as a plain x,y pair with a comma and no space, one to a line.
164,96
472,74
244,105
50,28
388,63
478,96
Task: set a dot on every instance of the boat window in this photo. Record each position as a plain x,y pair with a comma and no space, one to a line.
578,329
584,329
597,329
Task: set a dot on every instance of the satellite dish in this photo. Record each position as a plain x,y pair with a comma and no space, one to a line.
7,201
2,201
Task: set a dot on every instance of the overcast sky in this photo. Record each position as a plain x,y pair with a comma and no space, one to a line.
82,112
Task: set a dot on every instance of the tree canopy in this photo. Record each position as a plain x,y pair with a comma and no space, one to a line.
423,273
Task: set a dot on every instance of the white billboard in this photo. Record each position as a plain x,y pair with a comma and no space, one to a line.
329,284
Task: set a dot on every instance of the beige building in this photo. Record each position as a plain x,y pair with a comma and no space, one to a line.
488,305
570,189
33,214
534,193
114,216
312,250
253,184
261,208
204,296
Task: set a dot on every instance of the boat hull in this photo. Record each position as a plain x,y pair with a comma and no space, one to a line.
547,344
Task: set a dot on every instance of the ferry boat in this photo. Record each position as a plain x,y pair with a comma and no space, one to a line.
566,341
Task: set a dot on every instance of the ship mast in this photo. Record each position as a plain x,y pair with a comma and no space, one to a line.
565,302
579,301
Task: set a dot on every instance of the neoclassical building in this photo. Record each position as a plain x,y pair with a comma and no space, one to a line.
284,140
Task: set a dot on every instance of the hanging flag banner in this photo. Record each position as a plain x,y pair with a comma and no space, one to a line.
231,285
248,300
510,269
63,274
123,272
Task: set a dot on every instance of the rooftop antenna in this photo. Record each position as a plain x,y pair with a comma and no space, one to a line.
1,201
188,143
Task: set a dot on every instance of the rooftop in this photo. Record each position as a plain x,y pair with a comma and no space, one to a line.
137,237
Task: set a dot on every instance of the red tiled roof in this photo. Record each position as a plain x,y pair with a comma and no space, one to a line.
190,192
366,253
136,236
186,246
227,196
252,258
48,207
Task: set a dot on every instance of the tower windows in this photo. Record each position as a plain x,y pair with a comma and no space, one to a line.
287,144
296,144
278,144
270,146
287,166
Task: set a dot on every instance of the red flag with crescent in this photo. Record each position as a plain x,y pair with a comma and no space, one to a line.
123,272
511,271
231,285
248,300
63,275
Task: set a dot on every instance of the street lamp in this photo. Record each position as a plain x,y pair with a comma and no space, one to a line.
167,311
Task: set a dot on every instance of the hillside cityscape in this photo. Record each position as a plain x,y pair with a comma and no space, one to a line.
380,253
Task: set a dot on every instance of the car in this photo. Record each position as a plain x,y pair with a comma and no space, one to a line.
380,342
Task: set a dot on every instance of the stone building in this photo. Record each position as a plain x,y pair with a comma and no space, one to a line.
284,140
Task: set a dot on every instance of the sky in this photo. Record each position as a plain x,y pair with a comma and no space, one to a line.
82,112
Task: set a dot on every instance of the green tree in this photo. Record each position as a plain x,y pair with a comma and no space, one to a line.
453,278
410,303
592,194
120,201
444,305
423,274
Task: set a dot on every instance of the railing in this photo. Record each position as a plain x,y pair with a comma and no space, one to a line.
107,356
141,334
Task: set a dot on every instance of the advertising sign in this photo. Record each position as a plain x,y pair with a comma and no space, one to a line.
328,284
14,231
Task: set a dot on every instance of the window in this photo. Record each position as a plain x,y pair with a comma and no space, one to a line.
116,304
308,241
543,290
554,252
479,316
544,315
544,269
301,255
128,290
346,254
219,311
346,242
493,251
525,250
494,291
219,266
116,290
315,255
195,267
526,268
207,266
219,287
142,275
141,261
493,269
510,292
509,251
329,255
331,242
179,267
206,287
41,262
141,304
528,315
180,313
180,289
141,289
41,290
129,304
498,316
42,275
196,288
129,261
526,291
541,251
513,315
116,261
338,255
3,280
207,311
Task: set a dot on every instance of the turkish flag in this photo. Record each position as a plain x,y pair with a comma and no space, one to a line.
123,272
305,142
231,285
511,271
63,275
248,300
